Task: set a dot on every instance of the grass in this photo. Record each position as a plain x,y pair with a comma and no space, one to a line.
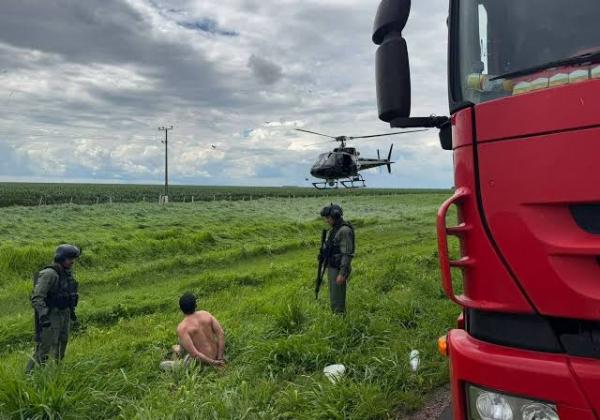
252,263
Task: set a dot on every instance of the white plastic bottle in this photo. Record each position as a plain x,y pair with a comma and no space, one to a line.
414,360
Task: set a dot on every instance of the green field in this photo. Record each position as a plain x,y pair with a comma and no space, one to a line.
28,194
252,264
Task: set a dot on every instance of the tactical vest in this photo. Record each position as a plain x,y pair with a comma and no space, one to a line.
334,252
64,294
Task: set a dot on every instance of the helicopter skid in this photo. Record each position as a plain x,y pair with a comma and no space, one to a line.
354,182
350,183
326,185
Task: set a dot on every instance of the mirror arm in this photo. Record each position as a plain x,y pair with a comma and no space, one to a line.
442,123
428,122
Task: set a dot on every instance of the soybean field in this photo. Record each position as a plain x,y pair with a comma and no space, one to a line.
39,194
252,264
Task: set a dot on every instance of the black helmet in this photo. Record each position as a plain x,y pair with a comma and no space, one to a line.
333,210
66,252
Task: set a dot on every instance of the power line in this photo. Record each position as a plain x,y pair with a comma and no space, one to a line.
166,142
52,135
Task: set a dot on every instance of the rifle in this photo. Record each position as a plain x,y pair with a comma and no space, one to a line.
322,264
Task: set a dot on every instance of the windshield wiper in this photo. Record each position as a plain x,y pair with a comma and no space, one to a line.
577,59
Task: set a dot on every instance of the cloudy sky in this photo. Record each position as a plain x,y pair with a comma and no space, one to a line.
85,84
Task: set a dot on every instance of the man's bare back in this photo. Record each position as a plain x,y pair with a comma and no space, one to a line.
201,335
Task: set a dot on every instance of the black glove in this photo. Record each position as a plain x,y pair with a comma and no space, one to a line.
44,321
73,316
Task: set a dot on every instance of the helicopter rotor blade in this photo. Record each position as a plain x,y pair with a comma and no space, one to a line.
314,132
388,134
319,143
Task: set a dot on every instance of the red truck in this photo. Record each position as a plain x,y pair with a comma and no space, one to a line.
524,130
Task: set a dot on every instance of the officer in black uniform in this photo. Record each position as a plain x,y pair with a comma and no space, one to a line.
339,251
54,298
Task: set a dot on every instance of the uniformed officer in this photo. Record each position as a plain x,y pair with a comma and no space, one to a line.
339,251
54,298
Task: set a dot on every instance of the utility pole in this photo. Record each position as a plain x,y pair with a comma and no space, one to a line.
165,198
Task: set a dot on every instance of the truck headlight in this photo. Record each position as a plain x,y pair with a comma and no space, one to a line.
539,411
492,405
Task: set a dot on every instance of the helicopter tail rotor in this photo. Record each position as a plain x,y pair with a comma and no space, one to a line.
389,159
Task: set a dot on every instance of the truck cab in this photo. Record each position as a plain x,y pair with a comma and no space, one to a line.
524,131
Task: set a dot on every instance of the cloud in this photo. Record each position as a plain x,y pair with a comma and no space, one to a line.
264,70
84,86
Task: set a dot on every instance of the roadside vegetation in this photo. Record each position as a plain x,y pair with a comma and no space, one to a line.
252,264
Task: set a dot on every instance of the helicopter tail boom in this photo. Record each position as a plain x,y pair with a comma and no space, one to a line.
374,163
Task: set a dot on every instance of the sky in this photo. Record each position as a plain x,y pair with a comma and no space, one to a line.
84,86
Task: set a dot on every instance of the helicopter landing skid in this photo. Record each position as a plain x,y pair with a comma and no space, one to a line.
352,182
326,185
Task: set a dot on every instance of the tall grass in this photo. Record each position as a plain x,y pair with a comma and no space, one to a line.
252,265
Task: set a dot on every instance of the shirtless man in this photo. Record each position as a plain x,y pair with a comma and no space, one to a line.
200,335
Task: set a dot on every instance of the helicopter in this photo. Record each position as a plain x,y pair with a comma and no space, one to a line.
343,164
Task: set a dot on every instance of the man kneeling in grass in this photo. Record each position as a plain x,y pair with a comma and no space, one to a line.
200,335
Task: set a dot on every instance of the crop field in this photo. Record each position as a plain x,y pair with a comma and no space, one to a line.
24,194
252,264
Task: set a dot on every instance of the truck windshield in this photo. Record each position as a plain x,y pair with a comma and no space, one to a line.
514,36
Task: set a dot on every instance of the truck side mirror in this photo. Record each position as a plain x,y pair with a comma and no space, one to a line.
392,65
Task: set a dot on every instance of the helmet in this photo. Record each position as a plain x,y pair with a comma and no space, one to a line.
65,252
333,210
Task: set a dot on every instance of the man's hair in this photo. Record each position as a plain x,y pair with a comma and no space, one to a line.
187,303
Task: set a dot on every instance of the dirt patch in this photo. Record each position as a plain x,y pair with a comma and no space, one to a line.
437,402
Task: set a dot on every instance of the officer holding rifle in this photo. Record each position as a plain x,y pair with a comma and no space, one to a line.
335,256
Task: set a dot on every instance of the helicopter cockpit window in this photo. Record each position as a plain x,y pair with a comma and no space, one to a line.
323,159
